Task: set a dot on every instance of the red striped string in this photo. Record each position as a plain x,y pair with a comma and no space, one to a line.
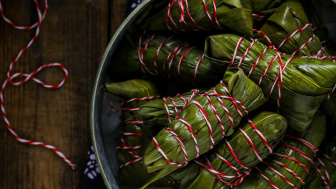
169,59
282,66
258,16
183,45
182,147
189,127
312,148
333,162
26,77
185,102
327,180
123,108
239,176
266,178
126,134
191,18
184,6
280,175
293,159
293,34
288,169
316,56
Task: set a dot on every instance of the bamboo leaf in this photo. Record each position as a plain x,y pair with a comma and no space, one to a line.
239,87
305,81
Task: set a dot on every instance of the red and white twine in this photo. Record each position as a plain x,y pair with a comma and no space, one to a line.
312,148
219,97
183,7
239,176
185,102
26,77
127,134
183,48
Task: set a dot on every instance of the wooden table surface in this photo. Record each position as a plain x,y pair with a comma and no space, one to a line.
74,33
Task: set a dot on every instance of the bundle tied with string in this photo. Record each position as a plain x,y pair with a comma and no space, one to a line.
132,94
289,165
162,56
203,123
231,160
289,30
160,112
295,86
326,163
195,15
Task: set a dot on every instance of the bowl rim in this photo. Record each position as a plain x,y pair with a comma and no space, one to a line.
96,134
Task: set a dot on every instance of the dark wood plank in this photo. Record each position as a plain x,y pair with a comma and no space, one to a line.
74,33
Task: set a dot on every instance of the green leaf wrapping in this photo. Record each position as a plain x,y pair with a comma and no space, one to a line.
271,125
135,88
158,112
314,180
314,11
123,91
285,20
260,5
305,84
230,14
314,134
126,63
239,87
328,107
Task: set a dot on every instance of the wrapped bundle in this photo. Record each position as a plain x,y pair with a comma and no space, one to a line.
301,83
184,15
160,112
203,123
288,166
326,163
289,30
223,166
159,55
132,94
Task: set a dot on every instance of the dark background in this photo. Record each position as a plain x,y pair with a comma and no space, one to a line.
74,33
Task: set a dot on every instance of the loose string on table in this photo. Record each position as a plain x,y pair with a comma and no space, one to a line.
31,76
237,104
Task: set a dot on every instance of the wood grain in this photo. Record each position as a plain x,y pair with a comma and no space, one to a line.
74,33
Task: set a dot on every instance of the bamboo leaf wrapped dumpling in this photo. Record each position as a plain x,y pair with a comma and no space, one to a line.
297,86
132,94
203,123
189,15
160,112
159,55
289,30
249,144
288,167
326,163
